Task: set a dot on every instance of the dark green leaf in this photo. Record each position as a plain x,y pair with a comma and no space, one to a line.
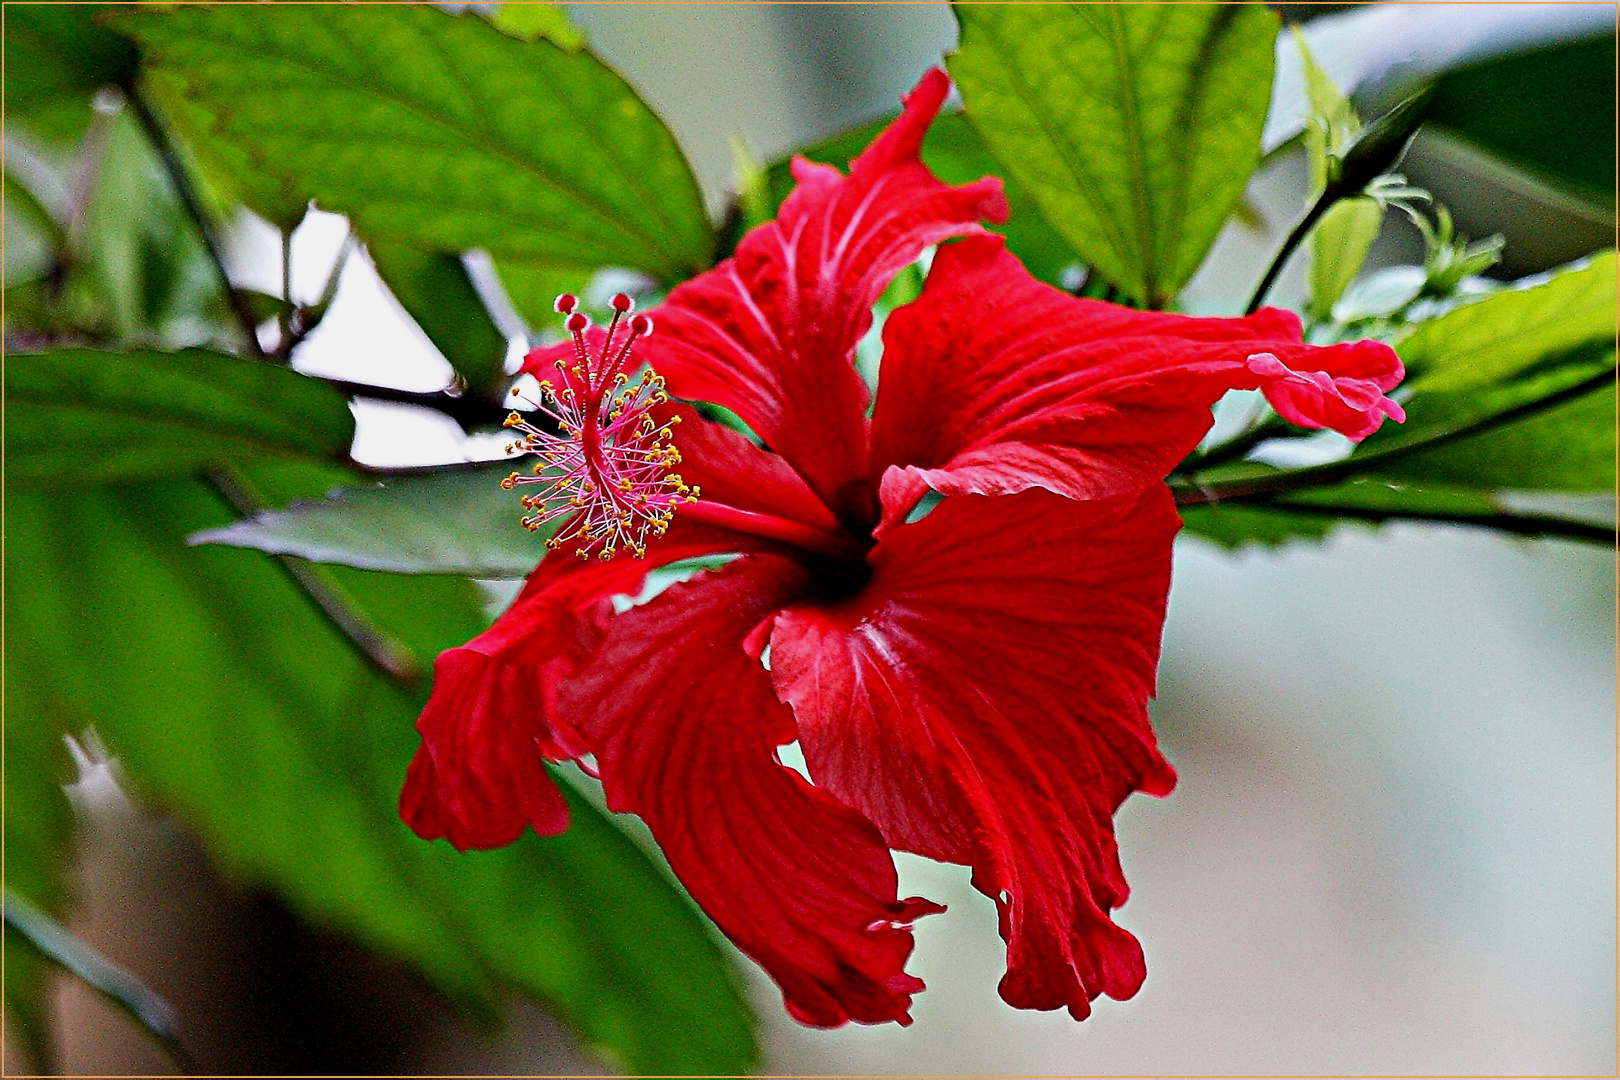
1133,126
953,150
437,131
1549,110
457,521
232,702
435,290
56,57
78,417
1234,525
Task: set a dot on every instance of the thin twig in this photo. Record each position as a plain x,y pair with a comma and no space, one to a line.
373,642
468,410
1293,241
187,193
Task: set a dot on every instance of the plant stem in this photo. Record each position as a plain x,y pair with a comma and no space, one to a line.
373,642
466,409
169,157
1295,237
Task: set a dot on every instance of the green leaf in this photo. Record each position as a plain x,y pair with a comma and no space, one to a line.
955,154
454,521
234,704
1511,333
1133,126
1339,246
437,132
528,21
1549,110
57,55
140,273
435,290
79,417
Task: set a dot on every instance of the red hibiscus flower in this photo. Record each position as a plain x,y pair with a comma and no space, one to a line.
968,683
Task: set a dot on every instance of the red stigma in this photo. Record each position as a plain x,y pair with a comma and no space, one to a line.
566,303
621,303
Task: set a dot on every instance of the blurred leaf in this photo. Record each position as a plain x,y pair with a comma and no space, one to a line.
955,154
23,208
232,702
528,21
533,288
57,55
435,131
435,290
38,825
141,276
78,417
1133,126
1339,246
264,306
455,521
1549,110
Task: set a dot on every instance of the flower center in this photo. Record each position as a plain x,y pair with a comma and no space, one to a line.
608,472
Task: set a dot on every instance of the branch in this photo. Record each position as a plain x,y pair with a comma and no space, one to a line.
466,409
1293,241
187,192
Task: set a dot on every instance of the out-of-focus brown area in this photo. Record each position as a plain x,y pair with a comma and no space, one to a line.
257,992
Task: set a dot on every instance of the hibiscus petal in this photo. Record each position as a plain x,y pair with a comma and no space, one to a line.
733,471
684,725
479,776
771,332
984,701
994,383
